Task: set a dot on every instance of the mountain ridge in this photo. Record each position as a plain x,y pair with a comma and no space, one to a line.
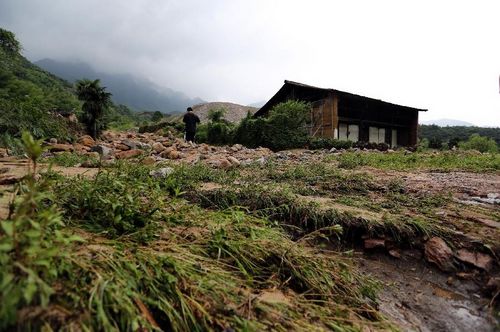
133,91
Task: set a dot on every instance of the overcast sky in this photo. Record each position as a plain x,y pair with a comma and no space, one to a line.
439,55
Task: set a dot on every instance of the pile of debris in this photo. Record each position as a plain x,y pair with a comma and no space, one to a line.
153,148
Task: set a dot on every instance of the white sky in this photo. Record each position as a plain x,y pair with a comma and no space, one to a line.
440,55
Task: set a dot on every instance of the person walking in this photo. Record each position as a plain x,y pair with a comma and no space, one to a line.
190,119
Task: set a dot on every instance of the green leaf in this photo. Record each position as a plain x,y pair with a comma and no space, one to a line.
5,247
29,291
8,227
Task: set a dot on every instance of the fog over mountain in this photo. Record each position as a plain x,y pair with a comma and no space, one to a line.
437,55
135,92
447,123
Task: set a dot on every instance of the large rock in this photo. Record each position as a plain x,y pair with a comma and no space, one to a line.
86,140
233,161
103,150
121,147
165,153
128,154
174,154
158,147
439,253
478,259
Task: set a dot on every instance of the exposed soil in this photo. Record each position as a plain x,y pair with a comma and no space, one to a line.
419,297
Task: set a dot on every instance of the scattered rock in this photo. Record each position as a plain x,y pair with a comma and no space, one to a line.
478,259
234,161
128,154
439,253
395,253
122,147
374,243
86,140
166,152
174,154
103,150
465,275
158,147
161,172
3,153
149,160
60,148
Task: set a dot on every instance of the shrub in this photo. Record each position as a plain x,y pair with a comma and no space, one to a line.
316,143
479,143
286,125
249,131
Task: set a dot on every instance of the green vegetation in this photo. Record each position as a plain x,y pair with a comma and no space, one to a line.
402,160
31,98
284,128
147,260
479,143
454,134
95,102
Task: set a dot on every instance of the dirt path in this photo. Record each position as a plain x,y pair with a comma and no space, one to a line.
11,170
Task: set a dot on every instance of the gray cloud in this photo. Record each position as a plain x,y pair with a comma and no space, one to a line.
442,56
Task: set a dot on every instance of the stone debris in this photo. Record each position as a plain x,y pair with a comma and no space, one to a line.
161,172
439,253
478,259
155,148
374,243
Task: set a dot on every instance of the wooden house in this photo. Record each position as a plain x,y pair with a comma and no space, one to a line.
346,116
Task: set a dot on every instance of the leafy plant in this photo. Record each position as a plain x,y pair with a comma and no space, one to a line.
95,102
479,143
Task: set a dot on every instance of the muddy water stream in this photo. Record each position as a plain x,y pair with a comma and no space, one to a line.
418,297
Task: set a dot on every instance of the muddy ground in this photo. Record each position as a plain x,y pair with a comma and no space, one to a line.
414,294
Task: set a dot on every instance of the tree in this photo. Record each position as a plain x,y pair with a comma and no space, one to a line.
95,102
8,42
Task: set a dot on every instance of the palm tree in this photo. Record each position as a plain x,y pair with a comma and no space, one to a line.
95,101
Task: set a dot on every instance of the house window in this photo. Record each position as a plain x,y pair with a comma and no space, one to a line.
348,132
376,135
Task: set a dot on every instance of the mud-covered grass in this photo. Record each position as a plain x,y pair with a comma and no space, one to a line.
210,249
127,254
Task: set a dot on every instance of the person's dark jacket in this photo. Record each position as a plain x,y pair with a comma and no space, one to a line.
190,119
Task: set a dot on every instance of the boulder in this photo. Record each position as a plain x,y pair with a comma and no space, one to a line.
86,140
53,140
103,150
165,153
158,147
478,259
174,154
128,154
439,253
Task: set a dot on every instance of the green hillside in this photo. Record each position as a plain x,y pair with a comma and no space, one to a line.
30,97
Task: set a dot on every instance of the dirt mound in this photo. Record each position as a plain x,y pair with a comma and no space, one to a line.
234,112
